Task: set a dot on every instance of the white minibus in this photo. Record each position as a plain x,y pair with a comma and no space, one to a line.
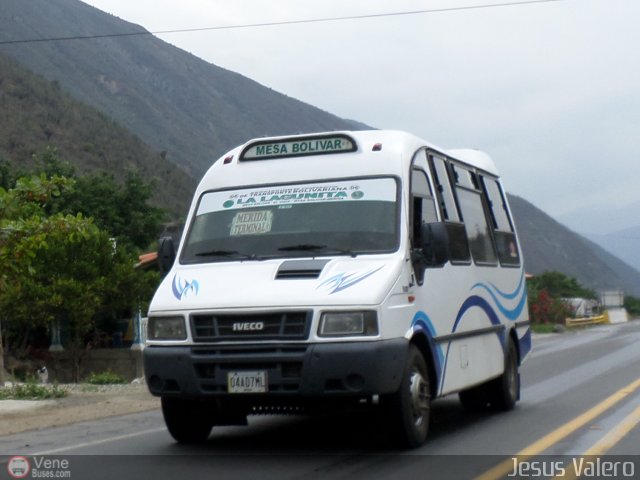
338,269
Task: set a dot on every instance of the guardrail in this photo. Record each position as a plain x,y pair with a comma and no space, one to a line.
595,320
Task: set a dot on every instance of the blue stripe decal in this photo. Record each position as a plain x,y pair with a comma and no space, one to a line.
508,296
514,313
422,322
344,280
525,343
501,299
473,301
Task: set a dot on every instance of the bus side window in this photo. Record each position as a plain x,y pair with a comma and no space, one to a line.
443,186
424,209
475,217
458,244
503,230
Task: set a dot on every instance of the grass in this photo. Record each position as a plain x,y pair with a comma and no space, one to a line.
105,378
32,391
543,328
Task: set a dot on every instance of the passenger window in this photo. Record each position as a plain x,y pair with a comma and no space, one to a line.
474,217
424,208
443,187
458,244
464,177
421,192
504,234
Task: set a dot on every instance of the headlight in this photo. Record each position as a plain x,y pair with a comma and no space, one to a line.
334,324
166,328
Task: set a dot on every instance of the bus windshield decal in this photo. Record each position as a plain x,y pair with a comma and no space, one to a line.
341,191
251,222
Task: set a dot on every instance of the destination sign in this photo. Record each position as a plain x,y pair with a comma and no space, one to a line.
298,147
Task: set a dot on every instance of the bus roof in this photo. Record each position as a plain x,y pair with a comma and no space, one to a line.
327,155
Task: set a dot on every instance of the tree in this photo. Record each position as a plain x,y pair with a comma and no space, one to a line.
22,231
545,296
559,285
546,309
632,304
59,267
120,208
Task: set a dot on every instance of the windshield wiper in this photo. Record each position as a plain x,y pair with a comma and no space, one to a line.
226,253
311,247
303,247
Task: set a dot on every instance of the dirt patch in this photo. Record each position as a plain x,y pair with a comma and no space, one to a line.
84,402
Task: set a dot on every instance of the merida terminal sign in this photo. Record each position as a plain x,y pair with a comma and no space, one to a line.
298,147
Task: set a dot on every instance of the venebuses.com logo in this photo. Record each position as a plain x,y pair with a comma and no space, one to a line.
19,466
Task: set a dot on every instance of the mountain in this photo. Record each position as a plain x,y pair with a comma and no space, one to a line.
616,229
602,220
549,245
190,112
624,244
174,101
35,114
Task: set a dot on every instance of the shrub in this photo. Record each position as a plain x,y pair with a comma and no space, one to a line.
32,391
106,378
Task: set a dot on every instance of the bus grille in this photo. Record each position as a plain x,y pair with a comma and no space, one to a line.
251,326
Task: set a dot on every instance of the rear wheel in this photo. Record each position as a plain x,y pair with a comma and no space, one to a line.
504,391
499,394
410,407
188,421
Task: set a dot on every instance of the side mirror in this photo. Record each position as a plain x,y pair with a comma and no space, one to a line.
435,244
166,254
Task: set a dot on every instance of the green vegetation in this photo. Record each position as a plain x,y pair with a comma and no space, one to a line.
66,260
105,378
37,114
543,327
632,304
545,292
32,391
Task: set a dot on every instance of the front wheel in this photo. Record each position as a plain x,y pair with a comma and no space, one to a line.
410,407
188,421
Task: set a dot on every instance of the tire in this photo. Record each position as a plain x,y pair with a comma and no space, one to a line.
188,421
499,394
504,391
409,408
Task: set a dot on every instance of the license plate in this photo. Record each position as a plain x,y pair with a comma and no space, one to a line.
247,382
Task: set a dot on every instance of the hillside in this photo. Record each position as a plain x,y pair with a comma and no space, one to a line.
548,245
190,112
36,114
174,101
625,244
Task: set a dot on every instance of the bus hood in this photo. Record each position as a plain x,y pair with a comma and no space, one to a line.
277,283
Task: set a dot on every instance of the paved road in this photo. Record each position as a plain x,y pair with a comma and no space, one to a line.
581,395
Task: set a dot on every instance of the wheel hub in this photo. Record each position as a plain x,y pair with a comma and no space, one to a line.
419,395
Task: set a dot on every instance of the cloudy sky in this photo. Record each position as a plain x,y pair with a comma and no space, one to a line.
551,90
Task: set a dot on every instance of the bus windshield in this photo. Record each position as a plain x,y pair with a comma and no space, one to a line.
345,217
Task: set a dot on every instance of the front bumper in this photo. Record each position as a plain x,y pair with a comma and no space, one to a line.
304,370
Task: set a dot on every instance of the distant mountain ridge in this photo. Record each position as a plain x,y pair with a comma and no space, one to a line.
35,115
625,244
193,110
548,245
614,228
189,112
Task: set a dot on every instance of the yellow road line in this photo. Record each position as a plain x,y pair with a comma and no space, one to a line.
539,446
614,436
607,442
